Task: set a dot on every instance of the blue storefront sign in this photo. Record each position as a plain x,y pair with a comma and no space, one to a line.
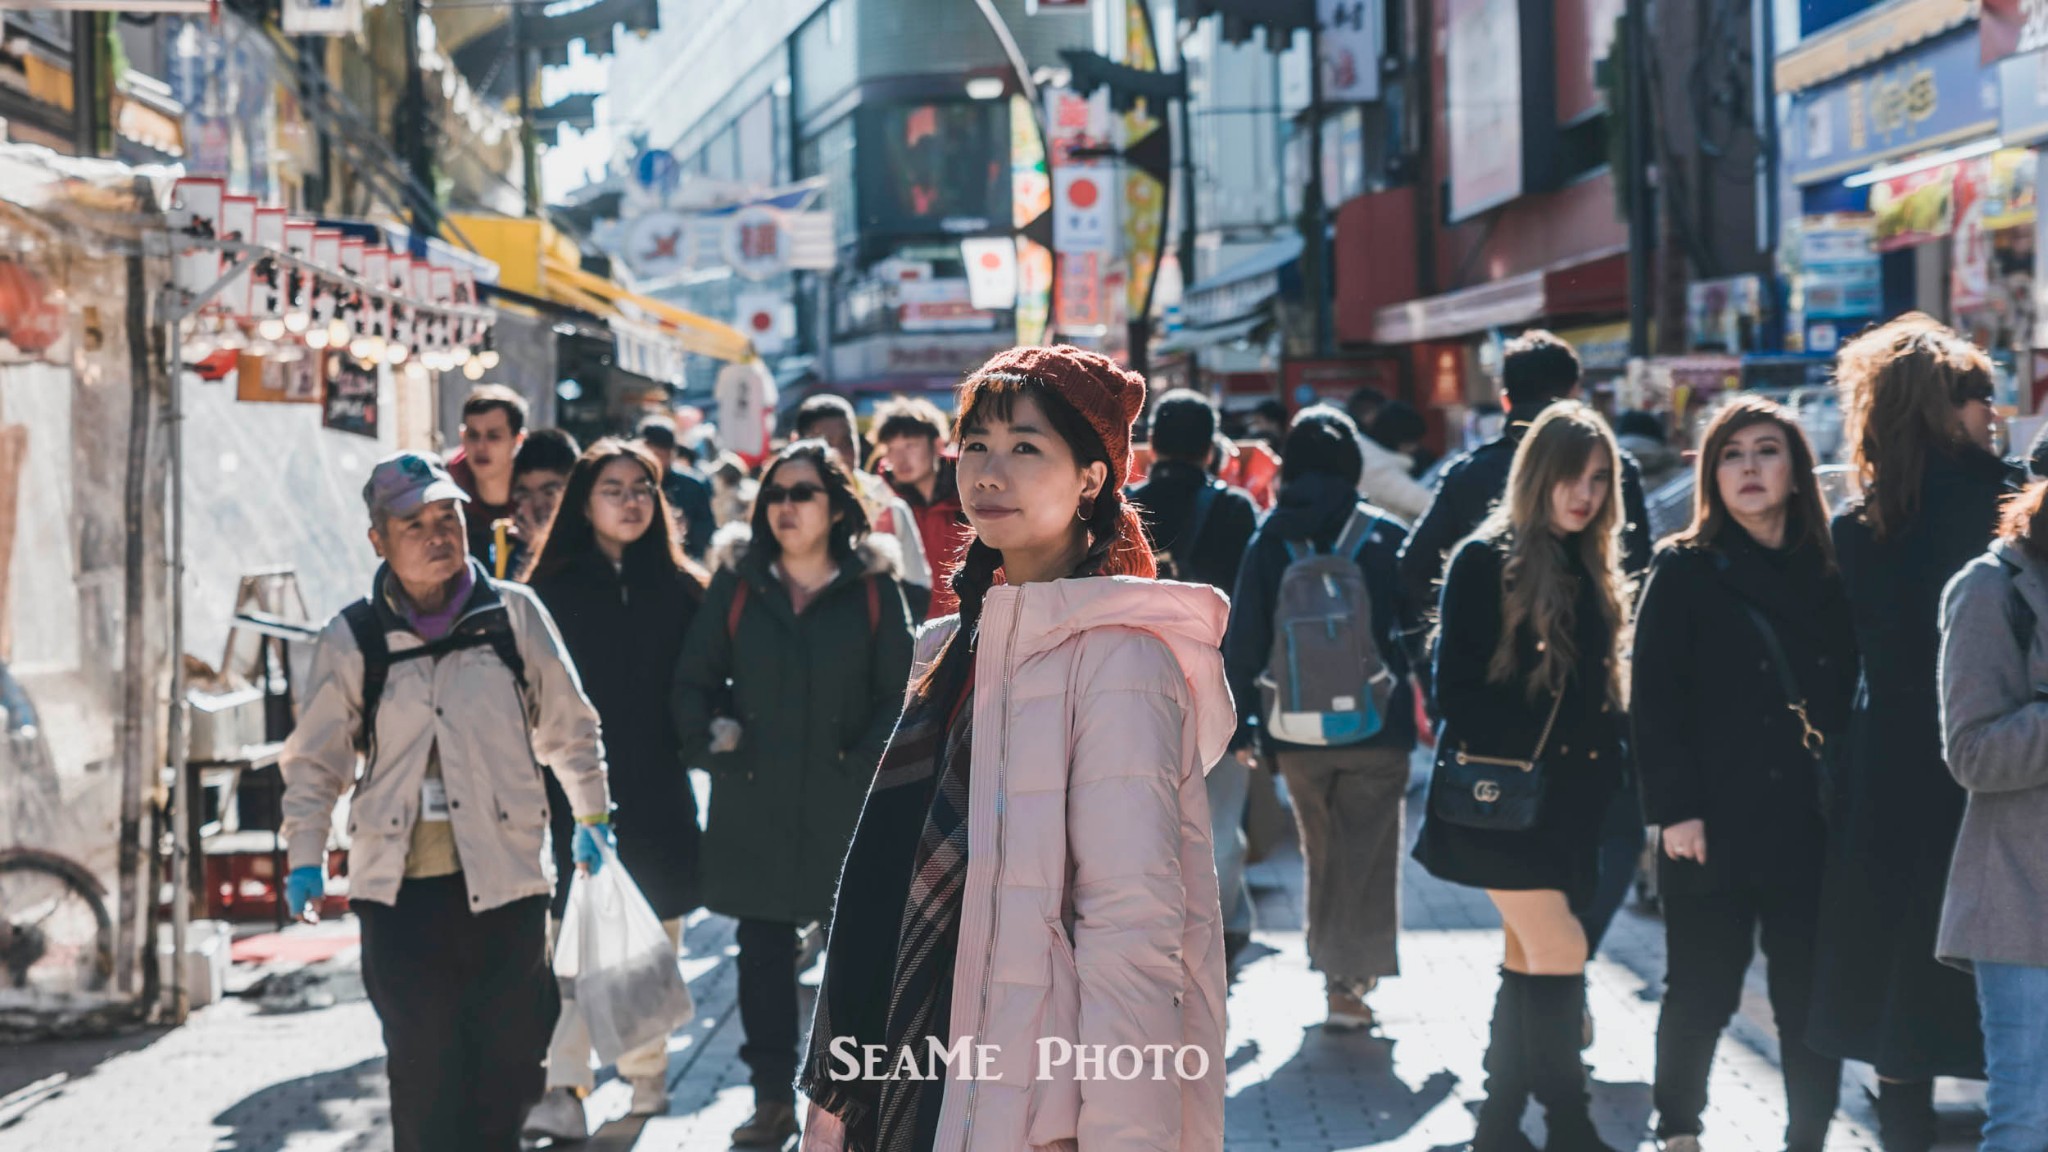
1935,95
2023,99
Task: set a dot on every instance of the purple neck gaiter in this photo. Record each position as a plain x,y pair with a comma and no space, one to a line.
434,625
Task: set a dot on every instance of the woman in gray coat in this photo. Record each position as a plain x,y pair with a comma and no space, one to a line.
1994,653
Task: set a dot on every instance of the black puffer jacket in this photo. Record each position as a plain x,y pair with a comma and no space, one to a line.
1714,739
625,631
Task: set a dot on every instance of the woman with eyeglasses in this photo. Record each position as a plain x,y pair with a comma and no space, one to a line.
787,691
1919,422
1744,665
611,571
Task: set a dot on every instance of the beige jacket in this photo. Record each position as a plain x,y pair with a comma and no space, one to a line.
492,745
1090,911
1385,480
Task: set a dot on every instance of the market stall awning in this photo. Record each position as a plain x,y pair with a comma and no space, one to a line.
535,259
699,334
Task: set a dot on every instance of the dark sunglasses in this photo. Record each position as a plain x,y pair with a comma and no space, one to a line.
796,494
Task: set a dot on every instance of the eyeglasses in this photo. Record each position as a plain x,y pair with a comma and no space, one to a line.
796,494
629,495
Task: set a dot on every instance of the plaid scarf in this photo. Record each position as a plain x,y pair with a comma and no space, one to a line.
894,988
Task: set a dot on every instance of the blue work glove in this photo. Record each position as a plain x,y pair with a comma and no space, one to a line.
306,884
584,846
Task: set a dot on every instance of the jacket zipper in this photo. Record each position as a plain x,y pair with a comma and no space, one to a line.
988,960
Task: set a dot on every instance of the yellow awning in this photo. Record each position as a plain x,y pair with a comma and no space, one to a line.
699,334
535,259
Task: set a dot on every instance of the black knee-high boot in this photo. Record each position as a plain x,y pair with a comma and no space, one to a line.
1905,1115
1553,1019
1507,1083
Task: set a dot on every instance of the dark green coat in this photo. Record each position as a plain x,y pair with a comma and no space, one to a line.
817,697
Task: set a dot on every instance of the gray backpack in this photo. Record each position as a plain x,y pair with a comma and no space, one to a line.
1326,684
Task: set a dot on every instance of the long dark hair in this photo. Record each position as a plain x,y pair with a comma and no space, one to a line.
848,528
1539,592
1901,384
1116,537
570,536
1806,516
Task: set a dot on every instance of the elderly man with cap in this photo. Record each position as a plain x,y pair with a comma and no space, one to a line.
451,688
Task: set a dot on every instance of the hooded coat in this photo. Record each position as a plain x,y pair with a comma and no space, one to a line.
1090,913
816,695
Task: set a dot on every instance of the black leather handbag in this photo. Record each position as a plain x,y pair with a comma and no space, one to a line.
1490,792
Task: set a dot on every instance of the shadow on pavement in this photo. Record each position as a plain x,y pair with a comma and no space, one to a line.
35,1061
353,1099
1348,1101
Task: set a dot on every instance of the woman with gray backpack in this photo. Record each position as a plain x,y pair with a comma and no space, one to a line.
1321,682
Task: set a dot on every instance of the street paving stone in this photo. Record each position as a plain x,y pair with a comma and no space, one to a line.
244,1078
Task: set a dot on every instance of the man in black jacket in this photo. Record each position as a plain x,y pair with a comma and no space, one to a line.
1199,527
1539,369
1197,524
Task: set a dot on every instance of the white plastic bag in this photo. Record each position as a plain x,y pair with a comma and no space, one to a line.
618,959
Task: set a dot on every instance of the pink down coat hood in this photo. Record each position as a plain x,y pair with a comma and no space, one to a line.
1091,943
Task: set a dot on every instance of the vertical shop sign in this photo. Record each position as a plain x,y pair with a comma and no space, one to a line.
1144,194
1030,199
1970,280
1350,48
350,402
1483,77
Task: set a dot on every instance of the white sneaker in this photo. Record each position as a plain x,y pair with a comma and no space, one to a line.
558,1116
650,1097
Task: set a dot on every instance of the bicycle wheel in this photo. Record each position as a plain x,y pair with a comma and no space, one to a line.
55,933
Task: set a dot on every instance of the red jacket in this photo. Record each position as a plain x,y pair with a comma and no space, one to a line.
942,527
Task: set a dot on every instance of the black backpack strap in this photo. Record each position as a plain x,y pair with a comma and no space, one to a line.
1198,518
363,624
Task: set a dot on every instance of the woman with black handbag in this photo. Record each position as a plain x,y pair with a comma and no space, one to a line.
1528,684
1744,662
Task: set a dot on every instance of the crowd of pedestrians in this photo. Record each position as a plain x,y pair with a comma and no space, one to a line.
983,711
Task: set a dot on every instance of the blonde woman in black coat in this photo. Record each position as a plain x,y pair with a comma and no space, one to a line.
1530,625
1744,663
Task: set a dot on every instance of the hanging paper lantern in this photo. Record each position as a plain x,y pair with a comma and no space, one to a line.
29,319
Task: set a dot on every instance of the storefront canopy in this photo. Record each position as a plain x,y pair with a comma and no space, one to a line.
1244,287
1584,286
1188,339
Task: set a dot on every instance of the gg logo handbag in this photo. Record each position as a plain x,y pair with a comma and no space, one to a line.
1490,792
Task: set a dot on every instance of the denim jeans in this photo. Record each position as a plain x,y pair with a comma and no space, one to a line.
1229,783
2014,999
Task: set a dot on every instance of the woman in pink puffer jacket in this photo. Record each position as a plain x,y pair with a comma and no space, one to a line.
1026,951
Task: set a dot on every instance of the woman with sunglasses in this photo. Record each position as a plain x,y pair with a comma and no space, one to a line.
611,570
1919,424
789,685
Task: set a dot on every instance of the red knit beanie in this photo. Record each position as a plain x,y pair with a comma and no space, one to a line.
1110,398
